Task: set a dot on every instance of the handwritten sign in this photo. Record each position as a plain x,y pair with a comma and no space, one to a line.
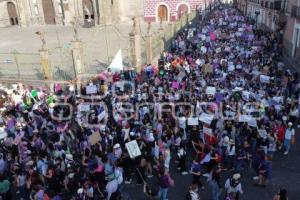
264,79
91,89
193,121
211,90
83,107
206,118
133,149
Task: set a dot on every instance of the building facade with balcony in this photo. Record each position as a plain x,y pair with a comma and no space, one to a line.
266,13
292,34
171,10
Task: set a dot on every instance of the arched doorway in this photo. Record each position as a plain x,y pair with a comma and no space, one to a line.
182,9
12,13
49,12
88,13
162,13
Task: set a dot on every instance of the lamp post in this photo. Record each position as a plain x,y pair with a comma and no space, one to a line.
256,17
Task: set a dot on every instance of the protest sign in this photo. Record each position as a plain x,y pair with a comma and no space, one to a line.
91,89
252,123
180,76
133,149
94,138
83,107
175,85
264,79
245,95
206,118
212,36
101,115
210,90
245,118
193,121
207,131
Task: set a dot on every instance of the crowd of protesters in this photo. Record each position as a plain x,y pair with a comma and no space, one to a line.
221,95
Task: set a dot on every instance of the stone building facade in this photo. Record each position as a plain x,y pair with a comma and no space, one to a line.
92,12
89,12
170,10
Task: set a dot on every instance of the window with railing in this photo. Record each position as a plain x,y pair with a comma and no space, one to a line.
277,5
295,11
267,4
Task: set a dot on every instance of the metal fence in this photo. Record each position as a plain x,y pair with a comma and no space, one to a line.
21,65
61,63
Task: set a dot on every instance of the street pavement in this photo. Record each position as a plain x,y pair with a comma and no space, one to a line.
286,174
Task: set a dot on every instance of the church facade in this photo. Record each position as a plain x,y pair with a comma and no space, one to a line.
90,12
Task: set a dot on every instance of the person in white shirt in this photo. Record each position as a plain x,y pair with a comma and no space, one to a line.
234,186
288,136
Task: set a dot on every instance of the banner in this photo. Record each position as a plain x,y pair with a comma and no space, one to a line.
133,149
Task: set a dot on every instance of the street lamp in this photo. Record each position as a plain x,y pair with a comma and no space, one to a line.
256,15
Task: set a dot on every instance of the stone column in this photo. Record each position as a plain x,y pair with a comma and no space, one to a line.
44,54
149,45
135,47
161,38
77,55
105,12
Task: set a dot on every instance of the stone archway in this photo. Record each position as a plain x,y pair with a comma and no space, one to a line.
12,14
88,13
182,9
162,13
49,12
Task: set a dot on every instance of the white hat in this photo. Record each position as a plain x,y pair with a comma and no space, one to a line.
226,139
117,146
236,176
69,156
290,123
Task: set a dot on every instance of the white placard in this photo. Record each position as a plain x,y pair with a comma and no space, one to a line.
91,89
210,90
245,118
180,76
240,29
246,95
101,115
207,131
83,107
133,149
206,118
264,79
193,121
252,123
